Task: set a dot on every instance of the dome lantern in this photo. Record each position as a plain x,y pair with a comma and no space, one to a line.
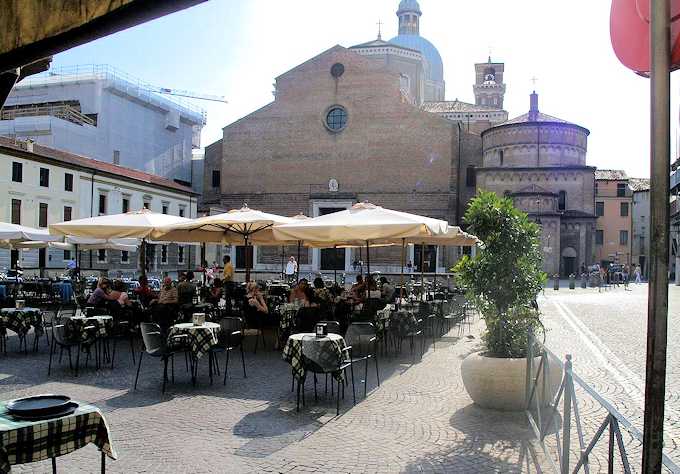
409,17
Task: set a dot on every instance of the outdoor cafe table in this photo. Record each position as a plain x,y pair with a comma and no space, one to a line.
324,351
23,441
78,326
20,321
201,338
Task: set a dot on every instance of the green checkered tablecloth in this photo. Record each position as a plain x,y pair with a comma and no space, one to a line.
24,441
21,320
326,352
201,338
103,326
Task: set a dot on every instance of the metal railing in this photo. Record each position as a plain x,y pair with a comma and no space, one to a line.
543,413
65,112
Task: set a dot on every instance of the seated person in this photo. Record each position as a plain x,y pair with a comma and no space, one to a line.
255,298
215,294
308,297
297,294
101,294
386,290
321,293
186,289
358,290
144,291
118,292
168,293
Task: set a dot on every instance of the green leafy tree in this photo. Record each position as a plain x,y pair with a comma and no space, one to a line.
505,275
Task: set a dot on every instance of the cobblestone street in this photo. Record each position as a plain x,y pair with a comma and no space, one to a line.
419,420
606,334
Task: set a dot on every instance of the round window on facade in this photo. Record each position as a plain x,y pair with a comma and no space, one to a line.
336,118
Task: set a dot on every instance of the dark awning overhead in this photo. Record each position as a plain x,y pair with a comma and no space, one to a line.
35,29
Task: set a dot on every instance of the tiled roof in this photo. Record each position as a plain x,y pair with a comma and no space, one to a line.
540,117
611,175
456,106
8,145
638,184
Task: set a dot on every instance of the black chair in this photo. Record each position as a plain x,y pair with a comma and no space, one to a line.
61,339
231,337
331,367
254,324
50,316
156,345
363,343
306,319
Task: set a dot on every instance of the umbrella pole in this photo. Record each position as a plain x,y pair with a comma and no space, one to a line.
335,267
422,272
368,261
245,240
403,257
204,263
297,267
282,253
142,257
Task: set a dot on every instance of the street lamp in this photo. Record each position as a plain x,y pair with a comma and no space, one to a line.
538,213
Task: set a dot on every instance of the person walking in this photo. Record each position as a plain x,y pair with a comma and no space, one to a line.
638,275
625,276
291,269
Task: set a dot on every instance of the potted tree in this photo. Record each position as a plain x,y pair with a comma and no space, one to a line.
502,281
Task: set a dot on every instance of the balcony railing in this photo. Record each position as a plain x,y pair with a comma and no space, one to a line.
63,111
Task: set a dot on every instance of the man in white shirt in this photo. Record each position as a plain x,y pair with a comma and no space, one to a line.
291,269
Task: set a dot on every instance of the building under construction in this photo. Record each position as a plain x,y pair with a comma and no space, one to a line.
104,114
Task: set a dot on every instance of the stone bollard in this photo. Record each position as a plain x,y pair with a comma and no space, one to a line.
556,281
572,281
584,280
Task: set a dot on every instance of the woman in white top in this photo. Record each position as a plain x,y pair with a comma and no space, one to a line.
291,269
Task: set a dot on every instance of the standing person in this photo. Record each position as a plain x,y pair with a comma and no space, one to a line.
625,275
409,267
291,269
638,275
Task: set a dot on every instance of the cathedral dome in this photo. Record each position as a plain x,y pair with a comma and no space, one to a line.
427,49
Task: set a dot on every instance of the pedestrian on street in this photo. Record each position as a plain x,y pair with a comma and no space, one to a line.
638,276
291,269
626,274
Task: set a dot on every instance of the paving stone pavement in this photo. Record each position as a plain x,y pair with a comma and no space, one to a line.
606,334
418,420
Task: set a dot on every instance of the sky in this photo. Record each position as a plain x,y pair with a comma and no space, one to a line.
236,48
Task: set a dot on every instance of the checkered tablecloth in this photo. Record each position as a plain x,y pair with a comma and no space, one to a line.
325,352
103,326
24,441
21,320
201,338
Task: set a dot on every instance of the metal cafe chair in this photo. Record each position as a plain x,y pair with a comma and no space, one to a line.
231,338
363,343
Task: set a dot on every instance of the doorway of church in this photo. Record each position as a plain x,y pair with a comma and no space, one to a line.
568,261
332,259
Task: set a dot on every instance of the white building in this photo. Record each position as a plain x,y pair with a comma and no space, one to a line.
102,113
44,186
641,216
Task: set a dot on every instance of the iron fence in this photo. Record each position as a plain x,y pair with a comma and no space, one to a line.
553,414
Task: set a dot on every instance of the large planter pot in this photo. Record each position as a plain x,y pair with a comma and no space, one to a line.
499,383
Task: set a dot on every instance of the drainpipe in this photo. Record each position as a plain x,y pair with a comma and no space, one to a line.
94,172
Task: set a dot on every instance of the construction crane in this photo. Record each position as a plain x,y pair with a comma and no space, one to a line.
189,94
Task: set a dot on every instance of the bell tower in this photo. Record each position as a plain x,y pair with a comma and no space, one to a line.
489,87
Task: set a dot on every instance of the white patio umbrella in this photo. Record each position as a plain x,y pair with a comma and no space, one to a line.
364,222
229,227
140,224
12,234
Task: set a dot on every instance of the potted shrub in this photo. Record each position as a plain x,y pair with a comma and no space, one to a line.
502,281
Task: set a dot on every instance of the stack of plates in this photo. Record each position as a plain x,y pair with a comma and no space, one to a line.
41,407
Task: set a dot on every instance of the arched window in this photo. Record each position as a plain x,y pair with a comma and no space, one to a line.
562,201
500,157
